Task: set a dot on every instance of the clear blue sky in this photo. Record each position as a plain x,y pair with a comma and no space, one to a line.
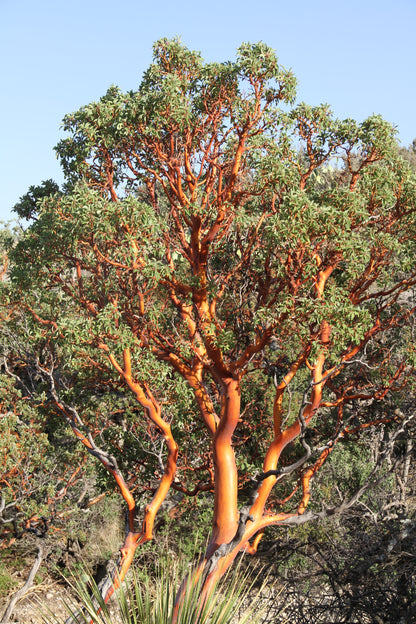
55,56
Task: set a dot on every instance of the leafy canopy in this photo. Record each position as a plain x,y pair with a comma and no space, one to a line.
233,259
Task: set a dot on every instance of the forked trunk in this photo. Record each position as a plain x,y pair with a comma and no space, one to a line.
225,520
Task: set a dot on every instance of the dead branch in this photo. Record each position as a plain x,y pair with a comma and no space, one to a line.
23,590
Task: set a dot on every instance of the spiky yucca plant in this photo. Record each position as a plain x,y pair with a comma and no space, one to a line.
150,600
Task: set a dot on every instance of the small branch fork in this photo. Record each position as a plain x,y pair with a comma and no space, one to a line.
72,417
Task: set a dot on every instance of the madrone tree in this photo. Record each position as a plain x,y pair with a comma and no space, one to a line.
243,267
